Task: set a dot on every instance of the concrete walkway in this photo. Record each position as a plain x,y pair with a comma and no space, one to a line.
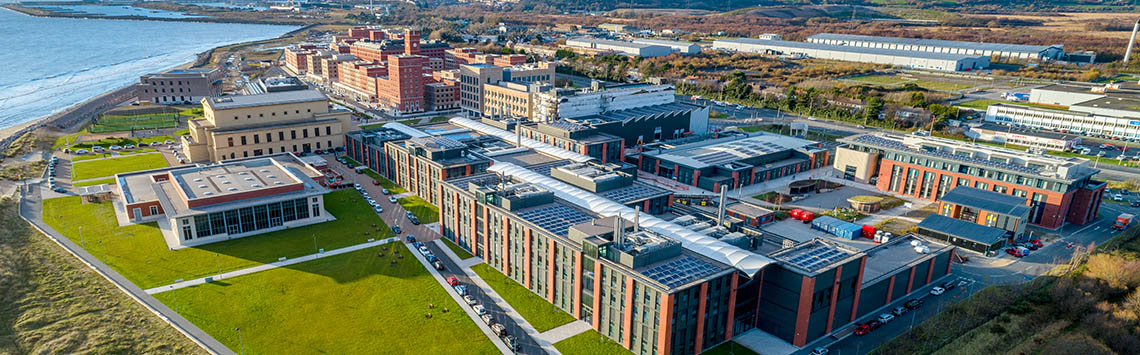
459,300
469,262
269,266
402,195
546,345
565,331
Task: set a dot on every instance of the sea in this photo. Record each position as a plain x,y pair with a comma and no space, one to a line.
52,63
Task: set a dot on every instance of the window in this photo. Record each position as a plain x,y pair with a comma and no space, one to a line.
268,137
242,140
293,135
316,131
281,135
256,139
305,133
245,154
328,131
230,140
153,210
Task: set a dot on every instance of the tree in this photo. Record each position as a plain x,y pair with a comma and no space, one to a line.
871,109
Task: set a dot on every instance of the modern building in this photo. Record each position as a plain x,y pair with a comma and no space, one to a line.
493,90
281,83
265,124
575,137
556,104
1048,140
987,208
685,48
998,50
626,48
1058,190
616,27
297,57
200,204
180,86
900,58
1108,111
735,162
963,234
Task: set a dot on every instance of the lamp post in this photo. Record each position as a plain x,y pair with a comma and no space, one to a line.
241,341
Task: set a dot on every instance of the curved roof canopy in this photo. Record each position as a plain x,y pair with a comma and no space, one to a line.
741,259
527,142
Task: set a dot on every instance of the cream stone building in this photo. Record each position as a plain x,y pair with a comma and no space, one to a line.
254,125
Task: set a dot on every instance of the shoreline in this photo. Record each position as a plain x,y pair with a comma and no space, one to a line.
31,11
9,134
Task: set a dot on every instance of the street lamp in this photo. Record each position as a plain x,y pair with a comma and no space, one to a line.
240,340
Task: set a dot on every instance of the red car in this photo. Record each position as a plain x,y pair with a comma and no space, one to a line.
1037,242
862,329
375,182
452,281
1014,251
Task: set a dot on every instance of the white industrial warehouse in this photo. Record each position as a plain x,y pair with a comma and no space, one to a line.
1109,111
623,47
680,47
907,59
1001,50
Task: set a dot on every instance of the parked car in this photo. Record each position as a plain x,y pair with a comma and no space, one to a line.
452,281
1014,251
486,318
415,221
423,249
143,144
59,190
512,342
129,146
899,311
1118,197
358,187
480,311
820,351
392,199
409,214
396,230
81,151
430,257
937,291
385,191
470,300
874,324
950,285
862,329
886,318
1135,204
168,141
1036,243
461,290
497,328
375,183
379,209
97,149
437,265
411,238
913,304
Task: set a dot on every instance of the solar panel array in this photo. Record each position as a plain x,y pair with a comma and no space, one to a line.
813,258
887,143
680,271
568,126
646,112
555,218
631,193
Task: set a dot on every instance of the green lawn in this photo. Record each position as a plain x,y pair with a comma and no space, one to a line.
68,139
107,142
109,167
182,132
439,119
589,342
119,123
410,122
462,254
728,348
95,182
108,154
141,255
941,85
353,303
372,126
540,313
426,212
892,80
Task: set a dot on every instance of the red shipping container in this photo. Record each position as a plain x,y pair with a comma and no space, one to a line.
868,231
807,216
795,213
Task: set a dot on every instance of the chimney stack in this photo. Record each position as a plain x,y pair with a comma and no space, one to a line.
637,218
720,207
1131,41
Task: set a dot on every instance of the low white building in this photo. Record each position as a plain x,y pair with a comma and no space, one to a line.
552,105
900,58
1111,111
1001,50
679,47
626,48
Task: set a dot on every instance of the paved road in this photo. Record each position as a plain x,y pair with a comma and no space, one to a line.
527,345
978,274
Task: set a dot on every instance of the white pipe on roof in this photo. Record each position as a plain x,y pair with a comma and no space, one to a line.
527,142
405,129
741,259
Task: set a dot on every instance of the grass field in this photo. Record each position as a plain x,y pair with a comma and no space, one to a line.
107,142
108,155
438,119
95,182
54,304
410,122
67,140
892,80
589,342
387,184
372,126
540,313
141,255
119,123
880,79
941,85
462,254
109,167
354,303
426,212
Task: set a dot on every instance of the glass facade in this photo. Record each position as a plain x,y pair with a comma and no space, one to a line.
249,219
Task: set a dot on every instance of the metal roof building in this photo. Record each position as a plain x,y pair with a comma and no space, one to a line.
1016,51
901,58
631,49
963,234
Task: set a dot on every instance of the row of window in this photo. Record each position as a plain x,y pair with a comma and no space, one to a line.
281,136
249,219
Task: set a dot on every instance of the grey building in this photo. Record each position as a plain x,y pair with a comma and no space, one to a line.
901,58
180,86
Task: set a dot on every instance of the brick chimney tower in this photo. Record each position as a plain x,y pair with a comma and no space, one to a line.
411,42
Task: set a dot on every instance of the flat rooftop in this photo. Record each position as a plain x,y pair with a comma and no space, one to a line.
722,151
1067,168
885,259
962,229
846,49
814,255
633,193
556,217
1113,103
266,99
1009,205
1024,131
610,42
1027,48
229,178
